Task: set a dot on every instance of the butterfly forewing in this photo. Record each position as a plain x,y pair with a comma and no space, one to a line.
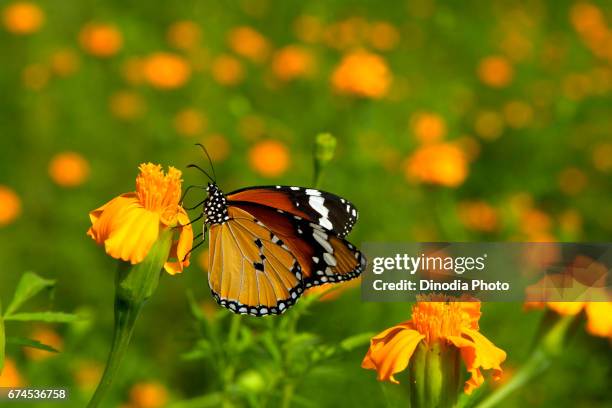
328,210
250,269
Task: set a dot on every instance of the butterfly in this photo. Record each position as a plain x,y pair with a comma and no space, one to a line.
268,244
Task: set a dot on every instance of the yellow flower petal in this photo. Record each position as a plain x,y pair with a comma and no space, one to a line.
133,239
391,350
599,318
182,247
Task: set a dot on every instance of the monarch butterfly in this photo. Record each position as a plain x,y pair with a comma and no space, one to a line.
267,244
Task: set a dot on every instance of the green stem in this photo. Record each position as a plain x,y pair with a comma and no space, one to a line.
288,394
125,319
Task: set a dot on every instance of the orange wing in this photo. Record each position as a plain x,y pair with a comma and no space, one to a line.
251,271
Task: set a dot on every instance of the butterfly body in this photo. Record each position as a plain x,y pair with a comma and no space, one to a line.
269,243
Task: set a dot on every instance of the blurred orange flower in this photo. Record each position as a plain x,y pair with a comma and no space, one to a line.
190,122
218,147
572,181
383,36
489,125
101,39
48,337
270,158
184,35
64,62
127,105
454,324
129,225
478,216
428,127
166,71
68,169
346,34
227,70
23,17
10,377
248,43
440,163
291,62
148,395
87,374
362,73
10,206
495,71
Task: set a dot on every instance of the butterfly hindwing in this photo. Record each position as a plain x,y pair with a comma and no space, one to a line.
328,210
251,271
323,256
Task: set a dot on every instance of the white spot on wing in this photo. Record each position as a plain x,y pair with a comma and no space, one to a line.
312,192
329,259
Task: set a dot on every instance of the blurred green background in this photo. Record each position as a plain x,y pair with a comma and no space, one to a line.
471,121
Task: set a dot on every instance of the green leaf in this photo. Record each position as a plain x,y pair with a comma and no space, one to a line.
22,341
2,340
29,285
49,317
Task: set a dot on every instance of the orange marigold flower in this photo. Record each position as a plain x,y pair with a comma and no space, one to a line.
190,122
248,43
269,158
68,169
453,323
64,62
478,216
572,181
495,71
23,17
166,71
128,225
292,62
10,206
441,163
127,105
383,36
362,73
227,70
148,395
184,35
100,39
428,127
48,337
10,377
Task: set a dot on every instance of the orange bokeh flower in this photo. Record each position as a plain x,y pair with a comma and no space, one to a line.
602,157
440,163
166,71
87,374
100,39
248,43
23,17
495,71
428,127
363,74
148,395
190,122
10,377
518,114
270,158
227,70
127,105
478,216
489,124
48,337
10,206
383,36
218,146
68,169
184,35
129,225
64,62
572,180
35,76
291,62
454,324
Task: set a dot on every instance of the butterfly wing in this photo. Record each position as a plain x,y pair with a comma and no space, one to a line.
323,256
251,271
328,210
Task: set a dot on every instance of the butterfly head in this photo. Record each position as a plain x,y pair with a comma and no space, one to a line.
215,205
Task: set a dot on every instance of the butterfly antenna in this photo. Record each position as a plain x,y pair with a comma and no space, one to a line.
195,166
209,160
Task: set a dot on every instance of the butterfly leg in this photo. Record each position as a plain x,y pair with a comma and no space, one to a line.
190,188
200,235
